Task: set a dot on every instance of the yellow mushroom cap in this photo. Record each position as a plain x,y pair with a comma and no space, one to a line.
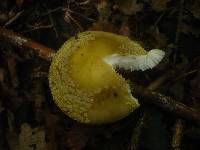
83,81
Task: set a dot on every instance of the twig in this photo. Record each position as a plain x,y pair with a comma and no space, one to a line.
34,28
158,20
178,132
53,24
10,21
68,15
166,103
22,42
85,2
184,75
180,17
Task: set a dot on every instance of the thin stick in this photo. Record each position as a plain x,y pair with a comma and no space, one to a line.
22,42
13,18
178,132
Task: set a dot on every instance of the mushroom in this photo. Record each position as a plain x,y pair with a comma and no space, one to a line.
83,80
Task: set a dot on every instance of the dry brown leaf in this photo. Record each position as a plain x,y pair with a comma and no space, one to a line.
31,138
103,24
129,7
103,9
159,5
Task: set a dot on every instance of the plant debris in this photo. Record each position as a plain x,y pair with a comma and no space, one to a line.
29,118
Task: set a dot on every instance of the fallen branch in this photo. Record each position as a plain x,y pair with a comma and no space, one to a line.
177,135
165,103
22,42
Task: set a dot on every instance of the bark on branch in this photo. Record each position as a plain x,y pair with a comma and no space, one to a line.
23,42
165,103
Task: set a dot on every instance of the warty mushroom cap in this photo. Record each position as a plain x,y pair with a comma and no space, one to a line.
83,80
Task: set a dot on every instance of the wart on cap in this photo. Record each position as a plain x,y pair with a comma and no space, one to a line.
83,80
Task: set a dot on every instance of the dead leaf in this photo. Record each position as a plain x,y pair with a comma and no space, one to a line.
31,138
159,5
129,7
103,8
103,24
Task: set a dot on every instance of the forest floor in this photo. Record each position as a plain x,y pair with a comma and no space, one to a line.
29,118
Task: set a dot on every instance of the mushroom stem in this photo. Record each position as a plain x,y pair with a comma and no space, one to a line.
132,62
